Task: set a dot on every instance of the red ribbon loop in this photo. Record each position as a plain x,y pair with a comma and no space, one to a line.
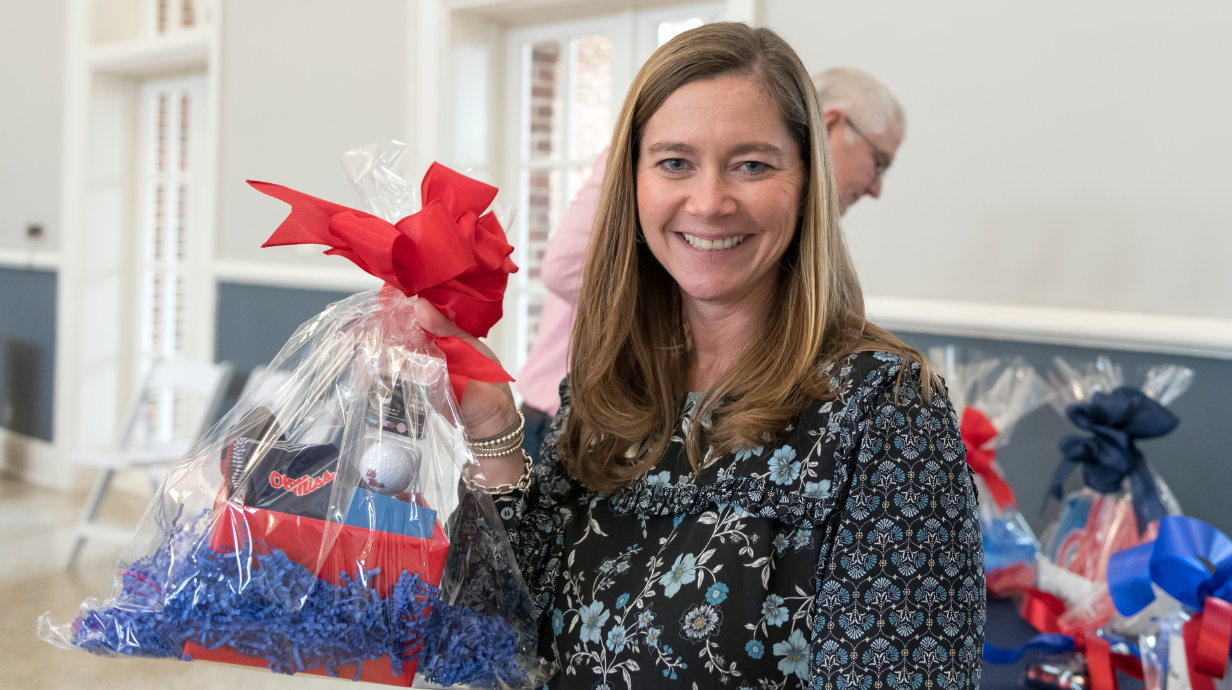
977,430
1208,637
447,253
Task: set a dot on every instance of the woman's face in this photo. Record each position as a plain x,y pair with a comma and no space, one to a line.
719,185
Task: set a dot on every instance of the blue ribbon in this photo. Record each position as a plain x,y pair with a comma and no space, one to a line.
1190,560
1110,453
1048,643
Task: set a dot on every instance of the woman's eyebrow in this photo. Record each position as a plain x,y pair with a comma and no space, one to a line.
737,150
755,147
671,147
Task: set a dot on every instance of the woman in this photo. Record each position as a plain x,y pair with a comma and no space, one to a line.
746,483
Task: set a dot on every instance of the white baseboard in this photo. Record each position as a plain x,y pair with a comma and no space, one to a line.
34,460
44,464
1176,335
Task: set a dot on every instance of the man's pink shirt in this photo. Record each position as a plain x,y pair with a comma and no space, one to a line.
548,361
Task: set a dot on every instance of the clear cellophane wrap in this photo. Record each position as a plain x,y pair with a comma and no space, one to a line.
1090,525
991,396
329,523
1165,664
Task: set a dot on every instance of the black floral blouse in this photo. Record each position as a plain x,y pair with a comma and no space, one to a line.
846,556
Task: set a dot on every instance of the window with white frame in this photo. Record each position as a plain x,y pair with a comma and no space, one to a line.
177,15
566,82
170,112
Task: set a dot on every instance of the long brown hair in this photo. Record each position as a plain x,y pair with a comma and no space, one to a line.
630,349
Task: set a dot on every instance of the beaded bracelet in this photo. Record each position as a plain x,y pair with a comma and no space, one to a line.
508,440
497,452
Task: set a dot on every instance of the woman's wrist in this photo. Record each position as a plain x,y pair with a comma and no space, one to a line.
494,424
506,470
509,467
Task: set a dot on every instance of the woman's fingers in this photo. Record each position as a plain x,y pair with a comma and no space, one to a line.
487,408
433,321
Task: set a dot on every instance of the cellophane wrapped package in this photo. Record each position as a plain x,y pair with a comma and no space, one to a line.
990,397
331,522
1166,665
1179,587
1122,499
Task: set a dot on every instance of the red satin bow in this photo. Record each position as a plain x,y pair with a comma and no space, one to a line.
1208,636
977,430
447,253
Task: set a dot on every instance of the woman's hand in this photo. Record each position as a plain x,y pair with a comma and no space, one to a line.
487,408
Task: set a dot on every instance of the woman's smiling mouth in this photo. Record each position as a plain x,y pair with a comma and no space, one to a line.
712,245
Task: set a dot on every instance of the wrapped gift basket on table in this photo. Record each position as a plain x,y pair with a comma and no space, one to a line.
1122,504
1122,498
990,398
1186,576
337,527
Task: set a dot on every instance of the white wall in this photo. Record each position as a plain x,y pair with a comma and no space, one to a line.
302,81
1058,153
31,88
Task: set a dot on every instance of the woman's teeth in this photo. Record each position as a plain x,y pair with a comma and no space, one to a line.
725,243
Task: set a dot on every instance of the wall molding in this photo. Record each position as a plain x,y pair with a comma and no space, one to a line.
29,259
1176,335
157,54
34,460
344,278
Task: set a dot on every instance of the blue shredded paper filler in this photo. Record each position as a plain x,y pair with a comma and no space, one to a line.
281,612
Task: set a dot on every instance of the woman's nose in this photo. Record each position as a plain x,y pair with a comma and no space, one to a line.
710,199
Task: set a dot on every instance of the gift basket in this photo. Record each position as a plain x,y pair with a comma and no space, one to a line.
990,398
335,525
1122,499
1190,564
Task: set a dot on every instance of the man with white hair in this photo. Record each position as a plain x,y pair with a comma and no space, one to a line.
865,125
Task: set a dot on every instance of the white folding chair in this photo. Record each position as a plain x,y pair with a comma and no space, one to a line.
260,385
151,453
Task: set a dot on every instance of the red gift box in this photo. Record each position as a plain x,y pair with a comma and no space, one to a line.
351,550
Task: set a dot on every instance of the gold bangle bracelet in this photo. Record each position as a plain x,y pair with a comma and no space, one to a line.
496,452
503,439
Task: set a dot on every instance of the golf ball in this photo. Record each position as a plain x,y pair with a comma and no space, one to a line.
388,468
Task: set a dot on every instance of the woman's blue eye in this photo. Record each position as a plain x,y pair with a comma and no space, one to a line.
754,167
675,164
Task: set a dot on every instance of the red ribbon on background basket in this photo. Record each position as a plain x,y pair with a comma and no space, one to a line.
976,430
1041,610
447,253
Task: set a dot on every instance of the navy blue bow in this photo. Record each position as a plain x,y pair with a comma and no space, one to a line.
1109,454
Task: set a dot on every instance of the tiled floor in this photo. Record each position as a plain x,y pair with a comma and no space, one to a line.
36,529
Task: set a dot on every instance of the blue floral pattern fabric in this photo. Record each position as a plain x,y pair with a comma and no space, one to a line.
844,555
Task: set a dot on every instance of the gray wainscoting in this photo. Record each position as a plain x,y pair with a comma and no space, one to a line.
255,321
27,350
1195,459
